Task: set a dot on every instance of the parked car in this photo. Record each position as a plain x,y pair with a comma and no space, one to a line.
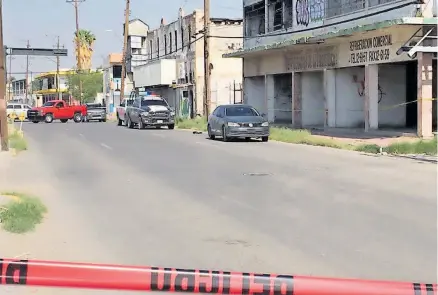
95,111
235,121
149,111
121,111
57,110
18,109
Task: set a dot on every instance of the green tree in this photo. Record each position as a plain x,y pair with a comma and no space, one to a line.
92,83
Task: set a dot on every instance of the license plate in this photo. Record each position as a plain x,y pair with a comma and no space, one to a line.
159,121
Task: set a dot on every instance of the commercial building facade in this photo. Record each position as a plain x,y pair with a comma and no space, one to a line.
45,88
343,64
173,62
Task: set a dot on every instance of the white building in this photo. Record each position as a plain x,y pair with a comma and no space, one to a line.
112,81
173,62
331,63
135,51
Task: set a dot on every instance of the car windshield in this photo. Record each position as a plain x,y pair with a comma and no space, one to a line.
49,104
153,102
240,112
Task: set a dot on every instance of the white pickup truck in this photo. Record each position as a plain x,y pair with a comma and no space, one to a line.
121,110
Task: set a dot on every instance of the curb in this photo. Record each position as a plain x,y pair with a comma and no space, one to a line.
423,158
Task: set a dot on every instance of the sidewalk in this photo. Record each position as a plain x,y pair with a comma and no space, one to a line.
63,234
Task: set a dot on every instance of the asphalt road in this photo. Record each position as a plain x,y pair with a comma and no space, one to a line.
172,198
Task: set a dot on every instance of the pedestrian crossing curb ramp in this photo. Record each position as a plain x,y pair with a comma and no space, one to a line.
136,278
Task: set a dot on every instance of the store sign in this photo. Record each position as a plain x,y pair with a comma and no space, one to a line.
375,47
312,58
370,50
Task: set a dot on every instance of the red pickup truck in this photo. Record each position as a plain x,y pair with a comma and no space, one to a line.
57,110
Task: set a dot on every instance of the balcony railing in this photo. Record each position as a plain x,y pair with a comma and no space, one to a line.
280,15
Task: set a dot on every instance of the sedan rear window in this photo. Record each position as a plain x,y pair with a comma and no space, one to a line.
240,112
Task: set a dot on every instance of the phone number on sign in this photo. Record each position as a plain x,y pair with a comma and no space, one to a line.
369,56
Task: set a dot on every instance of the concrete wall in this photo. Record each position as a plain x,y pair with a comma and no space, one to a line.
225,71
157,72
392,88
283,98
349,88
313,107
255,93
307,58
322,17
137,28
349,102
190,61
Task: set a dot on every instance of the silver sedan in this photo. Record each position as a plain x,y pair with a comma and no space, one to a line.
237,121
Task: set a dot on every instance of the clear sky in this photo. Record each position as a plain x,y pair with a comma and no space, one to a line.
41,21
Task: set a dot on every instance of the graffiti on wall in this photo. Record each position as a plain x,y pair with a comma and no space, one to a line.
308,11
361,88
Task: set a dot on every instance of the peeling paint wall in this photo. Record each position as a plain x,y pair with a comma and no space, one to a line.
308,18
179,40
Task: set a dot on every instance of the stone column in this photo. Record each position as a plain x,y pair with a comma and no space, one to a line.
330,98
371,102
296,100
270,100
424,95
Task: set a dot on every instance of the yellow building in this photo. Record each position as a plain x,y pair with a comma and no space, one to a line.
45,86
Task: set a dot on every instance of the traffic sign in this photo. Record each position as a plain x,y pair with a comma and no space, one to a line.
22,117
13,116
38,51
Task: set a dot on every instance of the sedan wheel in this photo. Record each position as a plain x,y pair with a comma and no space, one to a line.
210,134
224,134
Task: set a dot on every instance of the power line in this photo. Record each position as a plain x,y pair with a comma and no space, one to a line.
168,54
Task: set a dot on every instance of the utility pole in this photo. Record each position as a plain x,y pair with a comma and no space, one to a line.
26,87
58,61
125,48
207,80
4,142
78,44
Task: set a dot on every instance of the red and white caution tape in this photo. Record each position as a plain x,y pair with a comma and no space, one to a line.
134,278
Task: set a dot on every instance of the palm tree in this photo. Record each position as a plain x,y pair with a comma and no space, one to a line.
86,42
